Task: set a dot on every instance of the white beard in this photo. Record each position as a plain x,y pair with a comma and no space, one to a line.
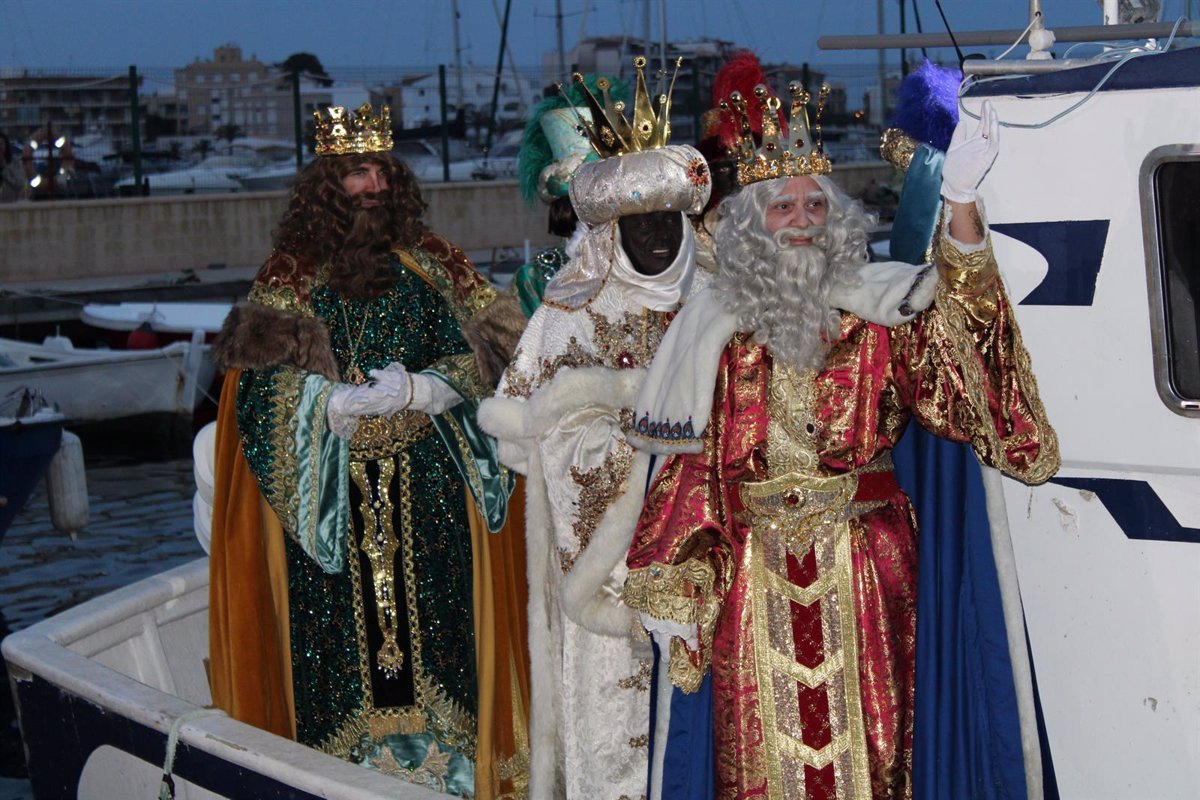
786,303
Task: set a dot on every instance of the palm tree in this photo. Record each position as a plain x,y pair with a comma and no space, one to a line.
305,64
229,132
202,148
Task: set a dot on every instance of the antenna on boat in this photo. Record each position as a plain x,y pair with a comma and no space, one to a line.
953,41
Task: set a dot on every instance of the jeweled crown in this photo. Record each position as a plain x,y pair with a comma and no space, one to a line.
610,133
361,131
782,154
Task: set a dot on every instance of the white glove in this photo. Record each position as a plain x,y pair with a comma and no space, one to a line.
427,393
970,156
349,402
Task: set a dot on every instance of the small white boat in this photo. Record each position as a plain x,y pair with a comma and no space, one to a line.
101,687
159,317
272,178
101,385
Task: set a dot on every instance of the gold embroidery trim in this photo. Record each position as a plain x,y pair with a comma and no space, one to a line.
848,624
973,278
662,591
897,147
598,488
462,372
483,296
285,406
379,545
379,437
279,298
374,723
764,677
433,272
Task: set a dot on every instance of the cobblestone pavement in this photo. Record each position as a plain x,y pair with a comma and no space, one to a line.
141,524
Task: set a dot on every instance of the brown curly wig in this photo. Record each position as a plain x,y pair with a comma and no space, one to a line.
325,225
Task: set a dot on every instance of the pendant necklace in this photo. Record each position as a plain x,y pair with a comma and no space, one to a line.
354,373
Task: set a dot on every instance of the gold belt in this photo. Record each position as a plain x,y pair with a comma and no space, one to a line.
379,437
797,503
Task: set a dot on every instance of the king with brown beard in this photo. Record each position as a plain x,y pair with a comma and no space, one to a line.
350,604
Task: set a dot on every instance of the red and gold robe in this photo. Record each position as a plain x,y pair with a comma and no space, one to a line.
788,543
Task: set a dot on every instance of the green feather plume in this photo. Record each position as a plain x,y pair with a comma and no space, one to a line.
535,154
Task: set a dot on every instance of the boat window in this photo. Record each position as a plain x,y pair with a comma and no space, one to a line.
1176,190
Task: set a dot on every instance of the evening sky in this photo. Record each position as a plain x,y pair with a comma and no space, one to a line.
80,34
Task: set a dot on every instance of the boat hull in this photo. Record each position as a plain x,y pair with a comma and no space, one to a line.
25,453
98,386
99,687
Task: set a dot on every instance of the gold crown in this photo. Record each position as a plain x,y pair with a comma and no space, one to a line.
799,152
608,130
354,132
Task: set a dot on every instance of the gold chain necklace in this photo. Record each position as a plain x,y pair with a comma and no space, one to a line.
354,373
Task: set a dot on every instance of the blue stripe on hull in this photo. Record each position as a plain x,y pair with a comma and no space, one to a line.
62,730
1136,508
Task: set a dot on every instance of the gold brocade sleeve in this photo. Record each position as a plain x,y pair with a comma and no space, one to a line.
685,548
971,378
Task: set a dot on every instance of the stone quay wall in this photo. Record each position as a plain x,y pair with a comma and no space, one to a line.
87,239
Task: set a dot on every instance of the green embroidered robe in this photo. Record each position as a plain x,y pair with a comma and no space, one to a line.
379,547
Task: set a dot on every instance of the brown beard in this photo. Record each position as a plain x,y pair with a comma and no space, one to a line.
362,269
324,225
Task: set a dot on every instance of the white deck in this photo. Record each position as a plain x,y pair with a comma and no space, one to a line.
140,652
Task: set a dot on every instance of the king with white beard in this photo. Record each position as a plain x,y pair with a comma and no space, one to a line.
776,552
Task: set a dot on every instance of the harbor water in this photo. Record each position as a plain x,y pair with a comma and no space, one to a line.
141,524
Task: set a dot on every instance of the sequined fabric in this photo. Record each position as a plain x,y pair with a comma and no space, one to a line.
812,638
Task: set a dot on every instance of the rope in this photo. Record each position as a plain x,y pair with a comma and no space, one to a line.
167,790
1124,59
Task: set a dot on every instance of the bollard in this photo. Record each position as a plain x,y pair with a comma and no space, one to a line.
66,485
204,454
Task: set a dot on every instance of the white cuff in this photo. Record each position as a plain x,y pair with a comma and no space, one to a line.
432,395
962,247
663,629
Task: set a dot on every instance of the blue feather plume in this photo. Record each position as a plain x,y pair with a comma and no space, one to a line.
927,104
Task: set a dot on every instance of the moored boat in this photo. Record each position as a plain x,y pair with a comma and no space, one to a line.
102,385
31,431
166,317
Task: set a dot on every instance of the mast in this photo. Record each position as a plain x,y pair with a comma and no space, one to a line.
648,42
881,113
662,35
558,31
458,71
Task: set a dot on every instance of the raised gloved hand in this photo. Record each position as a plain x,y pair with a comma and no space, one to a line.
970,155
